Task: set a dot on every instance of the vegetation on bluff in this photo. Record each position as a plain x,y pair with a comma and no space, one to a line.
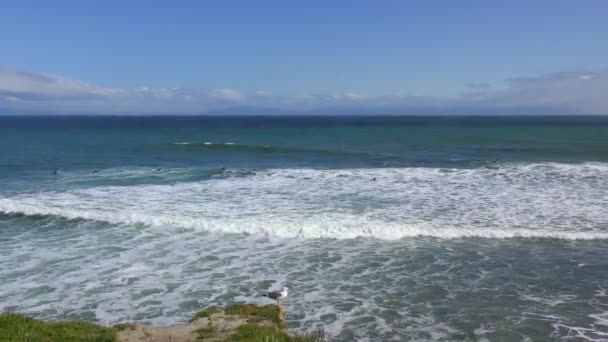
235,323
19,328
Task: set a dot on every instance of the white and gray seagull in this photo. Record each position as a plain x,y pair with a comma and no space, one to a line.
277,295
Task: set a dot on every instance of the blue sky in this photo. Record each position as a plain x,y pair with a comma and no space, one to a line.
190,56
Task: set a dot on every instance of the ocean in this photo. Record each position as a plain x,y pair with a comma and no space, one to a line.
383,228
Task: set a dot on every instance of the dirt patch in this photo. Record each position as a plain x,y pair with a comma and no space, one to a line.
208,325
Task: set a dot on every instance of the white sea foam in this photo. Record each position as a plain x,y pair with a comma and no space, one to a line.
156,262
353,289
204,143
546,200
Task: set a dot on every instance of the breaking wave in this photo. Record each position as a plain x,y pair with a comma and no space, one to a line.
540,200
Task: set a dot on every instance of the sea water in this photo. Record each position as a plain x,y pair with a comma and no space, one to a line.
383,228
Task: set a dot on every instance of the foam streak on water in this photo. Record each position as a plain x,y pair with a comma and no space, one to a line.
520,200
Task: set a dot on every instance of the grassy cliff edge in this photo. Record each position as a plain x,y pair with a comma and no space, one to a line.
235,323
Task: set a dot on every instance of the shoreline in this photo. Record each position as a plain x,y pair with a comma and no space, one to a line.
233,323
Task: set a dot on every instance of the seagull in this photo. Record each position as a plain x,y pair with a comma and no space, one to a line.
277,295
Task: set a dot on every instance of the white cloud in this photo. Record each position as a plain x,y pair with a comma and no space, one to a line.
32,87
571,92
226,95
165,93
352,97
262,93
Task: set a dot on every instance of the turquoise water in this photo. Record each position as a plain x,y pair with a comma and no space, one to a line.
384,228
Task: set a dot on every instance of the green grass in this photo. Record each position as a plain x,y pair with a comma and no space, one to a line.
256,333
205,313
19,328
255,313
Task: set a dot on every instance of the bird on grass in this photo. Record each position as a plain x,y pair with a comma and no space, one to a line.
277,295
